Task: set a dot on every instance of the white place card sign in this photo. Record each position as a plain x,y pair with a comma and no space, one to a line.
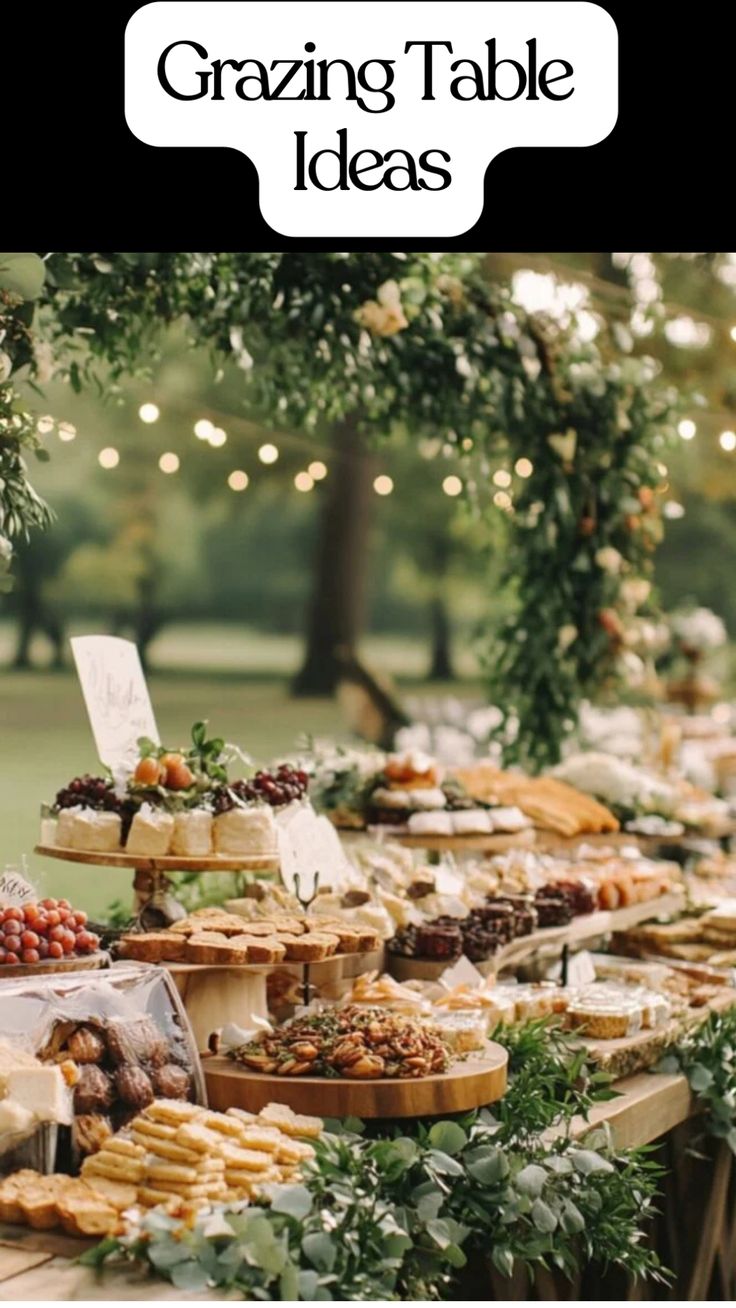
307,845
580,969
116,696
14,889
462,973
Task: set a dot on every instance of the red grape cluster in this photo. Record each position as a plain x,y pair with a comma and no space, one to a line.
50,930
275,788
92,792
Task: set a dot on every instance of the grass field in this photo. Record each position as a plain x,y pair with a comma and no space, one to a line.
46,739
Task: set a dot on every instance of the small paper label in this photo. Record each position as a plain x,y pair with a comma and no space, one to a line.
446,881
116,696
462,973
14,889
580,969
307,845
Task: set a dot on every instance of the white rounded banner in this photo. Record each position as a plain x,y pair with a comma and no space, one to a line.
370,120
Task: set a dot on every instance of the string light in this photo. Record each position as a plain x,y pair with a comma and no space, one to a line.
732,333
108,458
66,431
238,480
673,510
502,478
502,500
268,453
169,462
523,467
686,429
303,481
383,485
218,437
727,440
452,486
45,425
467,442
149,413
203,429
317,470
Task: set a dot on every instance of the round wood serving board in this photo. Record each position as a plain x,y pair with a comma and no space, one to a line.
165,863
491,844
480,1080
49,966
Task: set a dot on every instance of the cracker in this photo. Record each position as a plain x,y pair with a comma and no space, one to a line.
171,1111
253,1160
152,1130
196,1136
175,1172
117,1144
291,1123
223,1122
266,1138
114,1166
293,1151
167,1150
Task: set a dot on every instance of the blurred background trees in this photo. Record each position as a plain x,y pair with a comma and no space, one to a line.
158,527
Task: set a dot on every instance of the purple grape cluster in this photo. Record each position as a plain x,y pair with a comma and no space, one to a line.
274,788
91,792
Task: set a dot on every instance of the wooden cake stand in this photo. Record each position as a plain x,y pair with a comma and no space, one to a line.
150,873
480,1079
215,994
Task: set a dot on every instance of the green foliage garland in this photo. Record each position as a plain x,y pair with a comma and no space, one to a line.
707,1057
423,345
397,1212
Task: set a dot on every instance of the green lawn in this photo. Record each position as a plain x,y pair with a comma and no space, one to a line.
47,740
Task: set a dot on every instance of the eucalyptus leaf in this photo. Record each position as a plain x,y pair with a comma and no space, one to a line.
531,1180
321,1250
448,1136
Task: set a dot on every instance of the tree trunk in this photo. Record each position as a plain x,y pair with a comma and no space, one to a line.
336,607
440,668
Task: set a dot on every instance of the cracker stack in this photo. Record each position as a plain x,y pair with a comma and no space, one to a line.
180,1152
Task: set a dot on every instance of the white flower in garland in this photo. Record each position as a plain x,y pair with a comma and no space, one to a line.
699,629
6,366
385,315
567,634
609,559
635,591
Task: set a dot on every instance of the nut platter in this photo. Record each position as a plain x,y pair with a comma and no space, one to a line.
470,1084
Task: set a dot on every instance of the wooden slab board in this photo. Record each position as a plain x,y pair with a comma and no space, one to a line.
586,927
468,1084
85,963
165,863
629,1054
492,844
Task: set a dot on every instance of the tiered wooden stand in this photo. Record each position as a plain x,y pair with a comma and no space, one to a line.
216,995
548,940
151,873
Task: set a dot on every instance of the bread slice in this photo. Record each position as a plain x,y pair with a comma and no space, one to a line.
211,947
153,947
310,948
260,949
